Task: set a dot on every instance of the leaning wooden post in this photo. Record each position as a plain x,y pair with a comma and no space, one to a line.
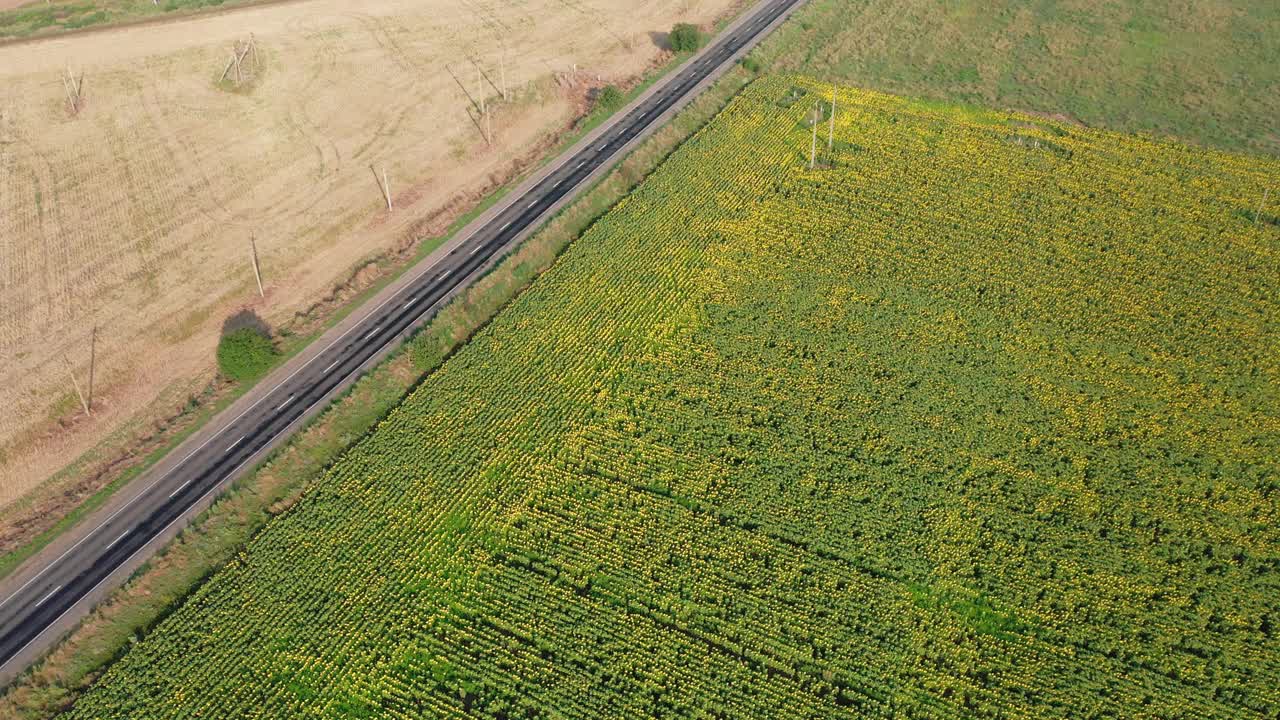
77,83
1257,216
71,98
76,384
239,78
831,126
480,87
503,71
488,128
813,146
73,91
384,185
93,347
257,273
227,69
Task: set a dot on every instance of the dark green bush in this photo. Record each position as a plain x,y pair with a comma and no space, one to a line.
610,98
685,38
246,353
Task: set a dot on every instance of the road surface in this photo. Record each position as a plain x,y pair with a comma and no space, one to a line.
53,595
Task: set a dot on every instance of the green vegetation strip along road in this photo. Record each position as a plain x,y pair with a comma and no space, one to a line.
975,419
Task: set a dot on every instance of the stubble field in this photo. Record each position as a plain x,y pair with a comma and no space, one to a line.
134,214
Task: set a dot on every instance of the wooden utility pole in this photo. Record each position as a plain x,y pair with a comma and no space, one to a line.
71,96
238,53
257,273
1257,216
93,347
488,128
831,127
813,147
502,70
76,384
227,69
383,184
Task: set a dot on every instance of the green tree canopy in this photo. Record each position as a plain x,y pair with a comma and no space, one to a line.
245,352
685,37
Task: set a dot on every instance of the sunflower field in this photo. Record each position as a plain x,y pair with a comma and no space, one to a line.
977,417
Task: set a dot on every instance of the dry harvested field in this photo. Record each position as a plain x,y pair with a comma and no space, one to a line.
134,214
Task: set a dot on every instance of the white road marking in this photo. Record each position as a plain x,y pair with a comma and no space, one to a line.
445,274
580,164
553,187
409,304
233,445
530,205
331,366
368,335
46,597
282,405
504,227
474,250
113,542
179,488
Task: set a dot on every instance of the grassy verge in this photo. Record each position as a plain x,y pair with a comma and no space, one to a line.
58,16
274,486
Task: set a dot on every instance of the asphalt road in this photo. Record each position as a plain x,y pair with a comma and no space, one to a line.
30,614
